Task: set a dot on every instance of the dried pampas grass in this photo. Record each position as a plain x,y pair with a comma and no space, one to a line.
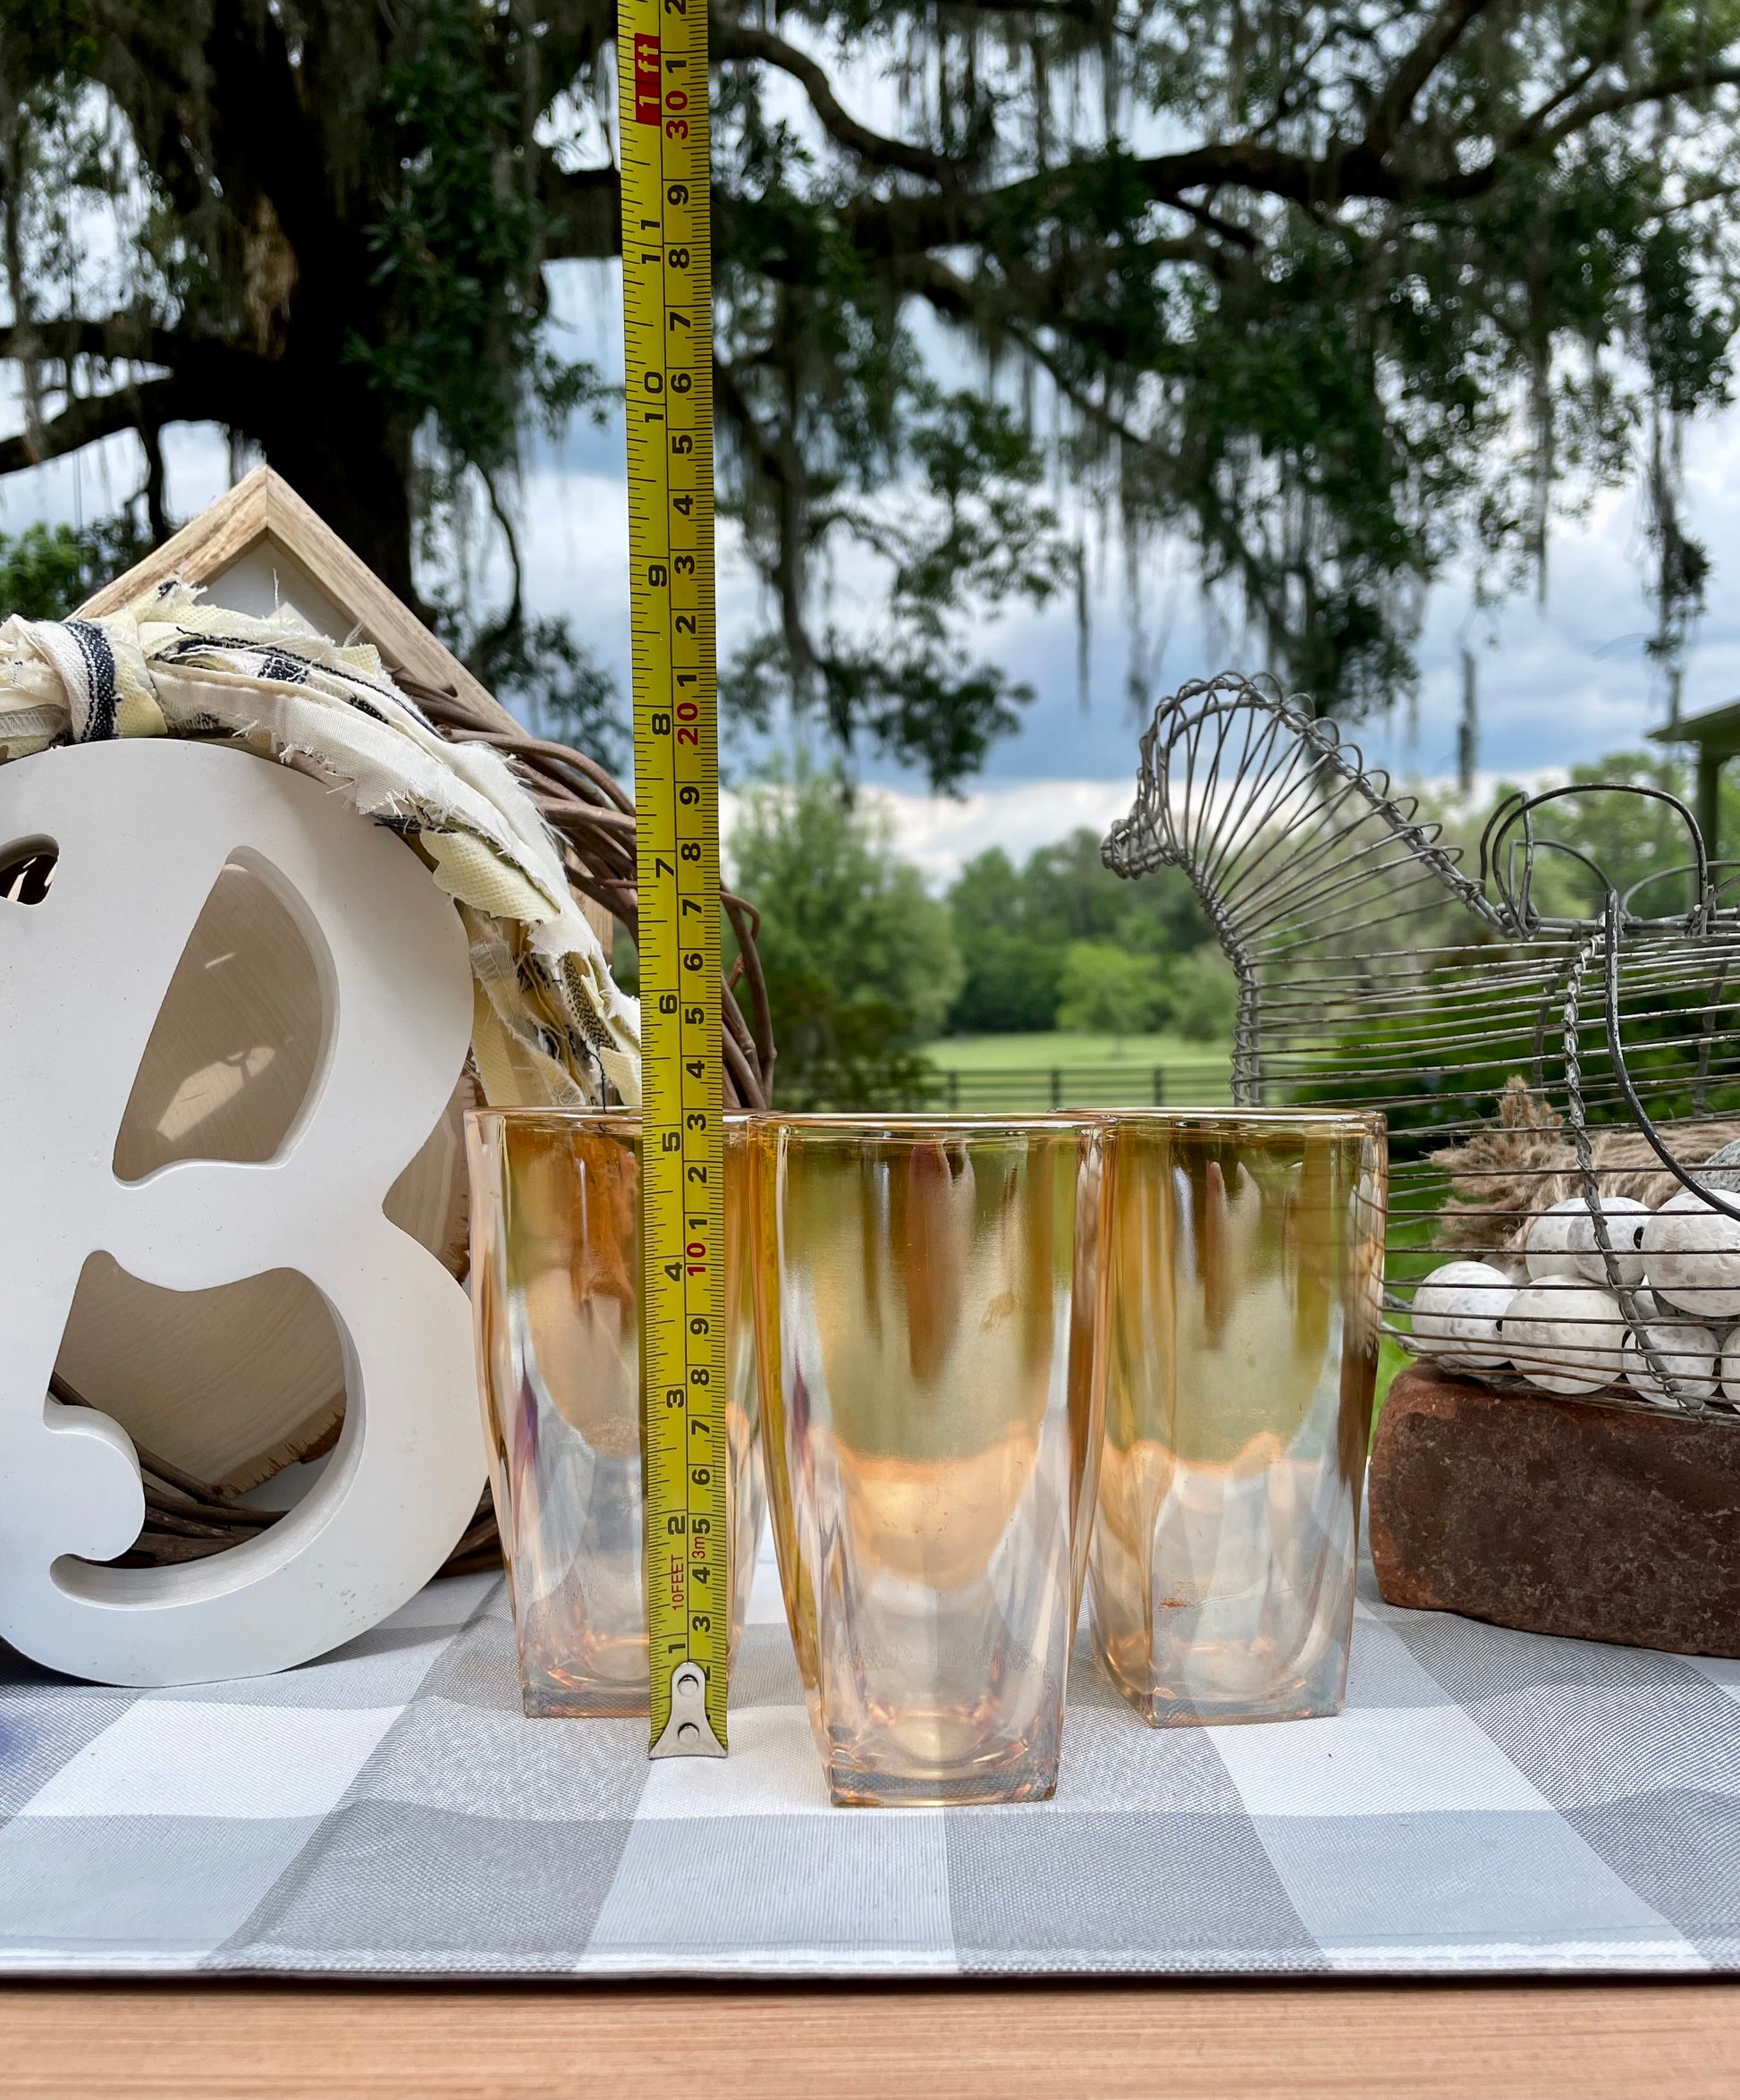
1503,1177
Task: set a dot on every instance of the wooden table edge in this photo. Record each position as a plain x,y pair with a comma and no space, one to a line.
1610,2039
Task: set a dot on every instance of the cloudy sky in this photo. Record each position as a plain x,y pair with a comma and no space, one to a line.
1560,682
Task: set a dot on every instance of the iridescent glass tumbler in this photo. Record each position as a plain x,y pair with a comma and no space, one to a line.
555,1300
1245,1259
926,1310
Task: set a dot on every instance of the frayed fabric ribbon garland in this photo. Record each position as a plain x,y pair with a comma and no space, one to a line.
551,1027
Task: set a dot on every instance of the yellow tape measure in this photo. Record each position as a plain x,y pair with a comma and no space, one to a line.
667,324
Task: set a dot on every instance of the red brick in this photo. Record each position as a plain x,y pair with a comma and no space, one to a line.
1557,1517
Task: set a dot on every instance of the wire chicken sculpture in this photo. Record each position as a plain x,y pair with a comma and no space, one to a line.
1563,1093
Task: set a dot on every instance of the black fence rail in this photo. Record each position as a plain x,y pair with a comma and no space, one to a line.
1087,1086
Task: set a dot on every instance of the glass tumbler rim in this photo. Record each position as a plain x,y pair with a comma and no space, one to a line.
616,1122
918,1126
1365,1121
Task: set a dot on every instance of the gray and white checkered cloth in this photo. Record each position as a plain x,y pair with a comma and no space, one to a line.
1488,1801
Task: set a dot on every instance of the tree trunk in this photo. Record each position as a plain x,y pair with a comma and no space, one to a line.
336,442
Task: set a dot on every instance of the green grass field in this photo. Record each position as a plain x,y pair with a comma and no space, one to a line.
1033,1053
1094,1068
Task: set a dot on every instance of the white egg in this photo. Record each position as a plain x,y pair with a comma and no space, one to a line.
1561,1241
1564,1335
1547,1247
1721,1170
1646,1305
1692,1251
1689,1354
1457,1310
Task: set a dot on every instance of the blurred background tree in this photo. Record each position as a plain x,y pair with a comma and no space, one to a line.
47,570
1109,991
860,959
870,972
1631,840
867,970
1045,944
1328,293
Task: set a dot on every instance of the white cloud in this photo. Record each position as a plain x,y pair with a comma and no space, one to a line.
938,834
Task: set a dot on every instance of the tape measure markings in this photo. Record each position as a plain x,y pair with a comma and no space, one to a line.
667,308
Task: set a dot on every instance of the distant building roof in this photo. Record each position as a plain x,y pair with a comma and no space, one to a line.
1716,731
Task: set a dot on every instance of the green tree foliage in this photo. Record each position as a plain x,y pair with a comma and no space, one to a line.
1106,989
1013,969
1631,840
1013,927
861,961
864,966
319,226
1635,843
1330,293
47,571
1109,991
1012,985
1201,996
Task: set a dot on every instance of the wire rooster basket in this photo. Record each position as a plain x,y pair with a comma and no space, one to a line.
1563,1092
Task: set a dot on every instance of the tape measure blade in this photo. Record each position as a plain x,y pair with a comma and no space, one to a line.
667,277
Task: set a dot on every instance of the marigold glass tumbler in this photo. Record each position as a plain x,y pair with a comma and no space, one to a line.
555,1296
926,1307
1245,1259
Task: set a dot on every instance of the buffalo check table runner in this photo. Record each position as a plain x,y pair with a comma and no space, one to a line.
1488,1802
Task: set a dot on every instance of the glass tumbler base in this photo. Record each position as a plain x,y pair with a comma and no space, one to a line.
550,1699
1316,1695
881,1790
1013,1771
1159,1711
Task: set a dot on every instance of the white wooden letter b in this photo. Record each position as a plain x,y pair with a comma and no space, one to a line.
142,830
